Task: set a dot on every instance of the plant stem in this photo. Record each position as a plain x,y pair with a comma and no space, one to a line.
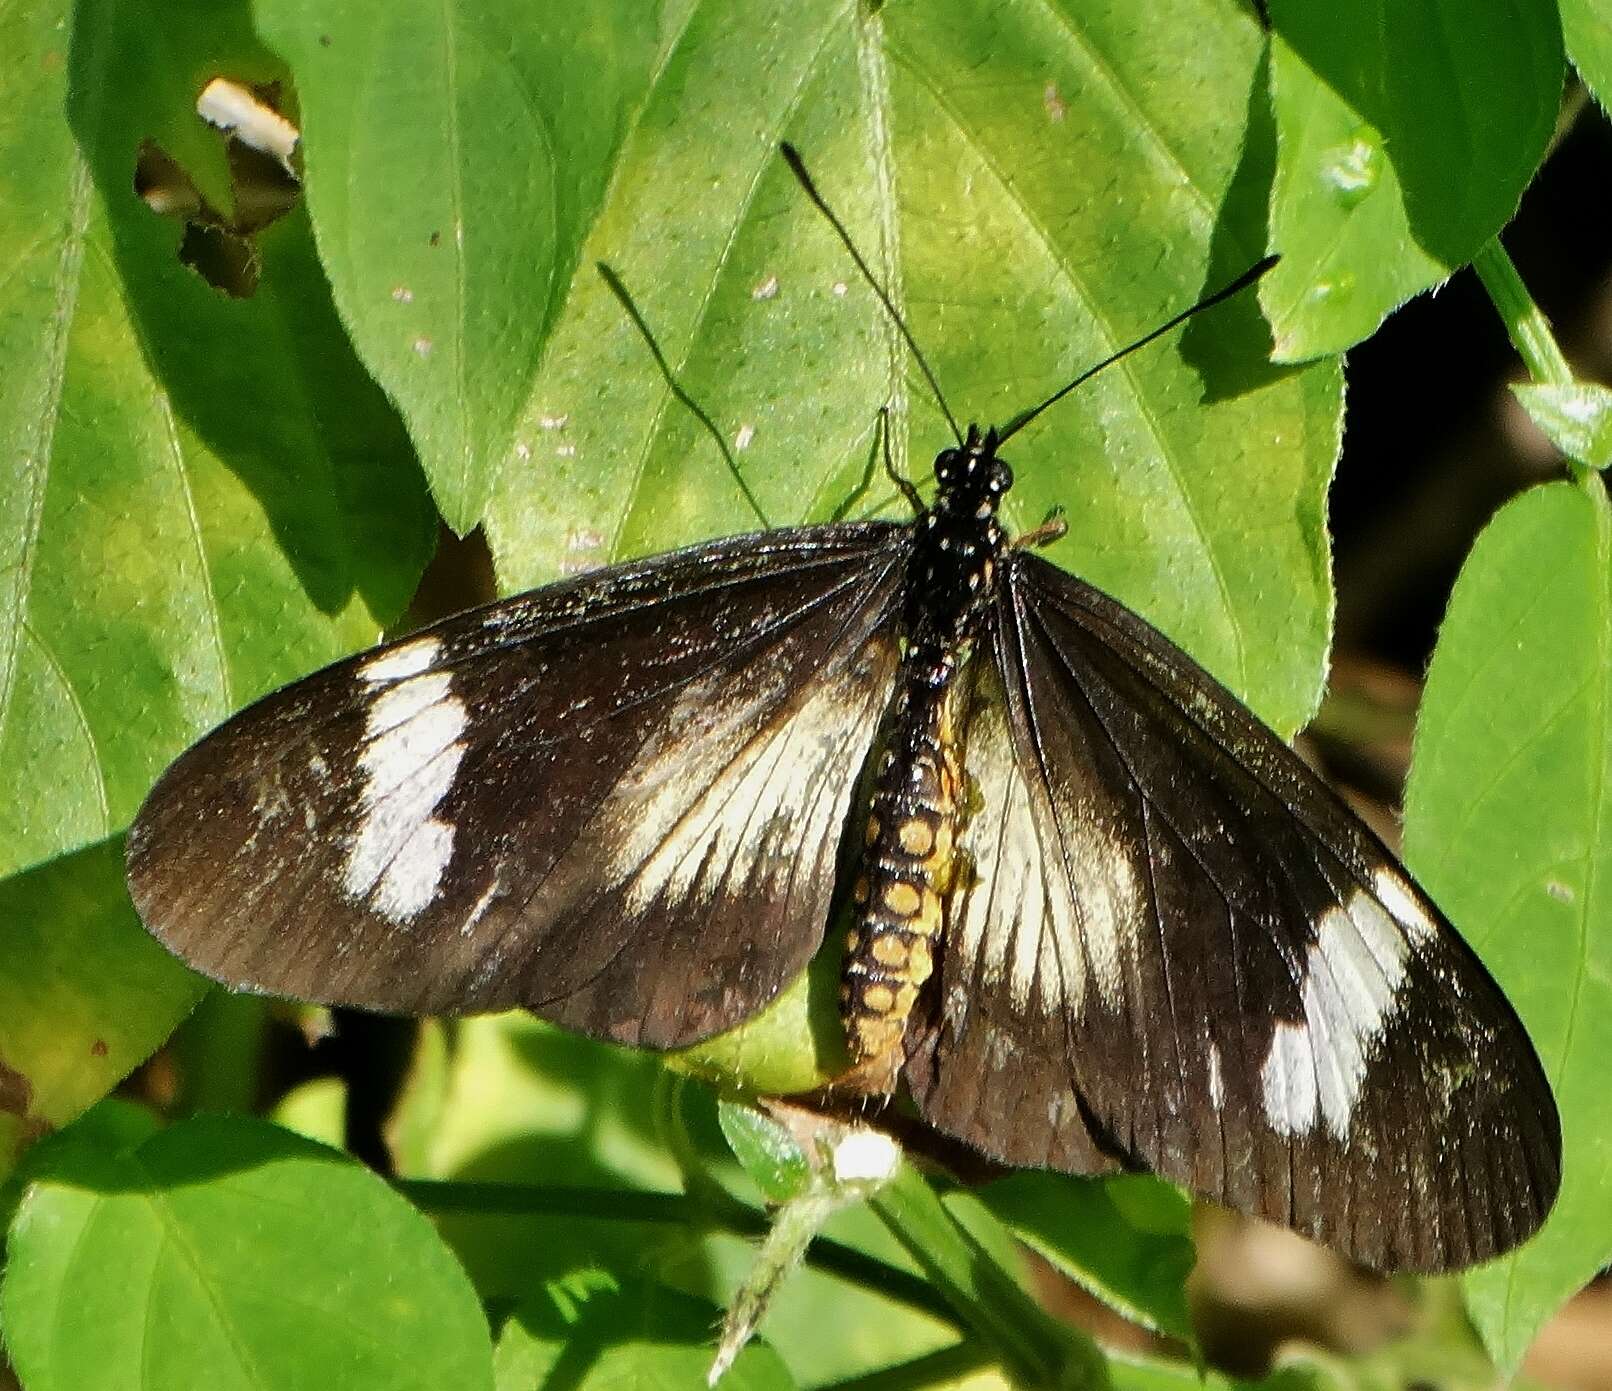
438,1197
1526,325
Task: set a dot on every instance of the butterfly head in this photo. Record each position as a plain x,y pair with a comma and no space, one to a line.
972,478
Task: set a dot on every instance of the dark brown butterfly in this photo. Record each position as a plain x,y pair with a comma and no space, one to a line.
1103,918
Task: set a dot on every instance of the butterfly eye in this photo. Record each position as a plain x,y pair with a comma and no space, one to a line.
1001,477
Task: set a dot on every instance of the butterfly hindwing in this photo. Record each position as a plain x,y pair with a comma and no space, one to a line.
617,801
1175,949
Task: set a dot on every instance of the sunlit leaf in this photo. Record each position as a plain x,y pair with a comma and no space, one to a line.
1507,821
231,1254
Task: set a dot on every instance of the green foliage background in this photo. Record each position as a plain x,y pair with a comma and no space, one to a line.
202,497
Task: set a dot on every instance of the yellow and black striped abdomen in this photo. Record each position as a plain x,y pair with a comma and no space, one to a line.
905,872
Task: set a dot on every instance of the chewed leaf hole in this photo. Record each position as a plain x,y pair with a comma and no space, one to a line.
260,145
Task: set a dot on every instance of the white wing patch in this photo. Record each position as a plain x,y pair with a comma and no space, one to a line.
1396,896
1056,908
410,659
1288,1078
1217,1080
411,755
1016,919
1316,1067
779,784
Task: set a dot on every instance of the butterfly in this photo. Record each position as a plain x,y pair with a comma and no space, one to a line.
1098,916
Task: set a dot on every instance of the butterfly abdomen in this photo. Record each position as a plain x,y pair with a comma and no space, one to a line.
906,868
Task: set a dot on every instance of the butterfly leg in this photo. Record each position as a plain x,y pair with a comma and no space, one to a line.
903,485
1053,528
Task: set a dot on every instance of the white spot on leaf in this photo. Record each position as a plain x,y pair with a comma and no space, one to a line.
767,289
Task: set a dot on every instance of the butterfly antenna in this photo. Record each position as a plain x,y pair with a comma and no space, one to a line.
675,387
1242,282
798,168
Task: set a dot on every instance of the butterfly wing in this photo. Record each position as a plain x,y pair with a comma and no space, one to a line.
617,800
1177,950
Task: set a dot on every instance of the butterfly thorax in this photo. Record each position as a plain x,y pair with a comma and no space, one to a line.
912,820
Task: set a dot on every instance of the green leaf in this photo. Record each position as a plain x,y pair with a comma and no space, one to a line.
524,1102
797,1043
200,497
316,1110
766,1151
983,1286
1588,38
592,1331
455,158
230,1254
1195,475
1126,1240
85,994
219,1052
1406,133
1132,1372
1576,418
421,1107
1508,821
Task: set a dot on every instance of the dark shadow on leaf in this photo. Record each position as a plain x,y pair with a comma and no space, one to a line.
269,384
199,1150
1449,146
1230,346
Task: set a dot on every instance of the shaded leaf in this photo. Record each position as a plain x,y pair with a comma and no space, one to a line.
593,1330
201,496
85,994
1406,133
1126,1240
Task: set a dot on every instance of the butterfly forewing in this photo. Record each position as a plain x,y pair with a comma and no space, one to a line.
617,801
1177,950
